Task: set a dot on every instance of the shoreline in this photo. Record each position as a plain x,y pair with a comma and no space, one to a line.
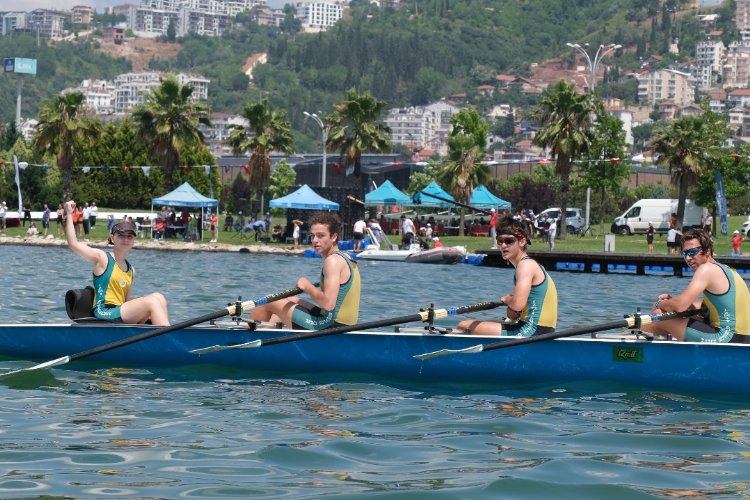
156,245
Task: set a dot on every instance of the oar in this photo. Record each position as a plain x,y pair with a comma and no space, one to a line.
628,322
230,310
428,315
487,212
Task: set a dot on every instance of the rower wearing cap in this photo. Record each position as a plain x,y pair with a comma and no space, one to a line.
532,307
113,277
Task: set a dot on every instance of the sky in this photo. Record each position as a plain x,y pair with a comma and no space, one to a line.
27,5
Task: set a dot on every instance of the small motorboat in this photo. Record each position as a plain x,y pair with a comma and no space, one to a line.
415,253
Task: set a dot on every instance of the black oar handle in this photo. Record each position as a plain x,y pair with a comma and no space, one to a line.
421,316
456,203
628,322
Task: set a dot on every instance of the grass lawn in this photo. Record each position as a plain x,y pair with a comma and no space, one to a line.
574,243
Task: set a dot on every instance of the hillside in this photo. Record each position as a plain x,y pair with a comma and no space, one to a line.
140,51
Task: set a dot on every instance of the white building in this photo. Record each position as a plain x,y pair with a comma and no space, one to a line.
421,127
13,21
319,15
709,55
131,88
666,84
736,71
99,94
203,17
217,134
49,23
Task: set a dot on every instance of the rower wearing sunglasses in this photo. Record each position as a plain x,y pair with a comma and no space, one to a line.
724,314
532,306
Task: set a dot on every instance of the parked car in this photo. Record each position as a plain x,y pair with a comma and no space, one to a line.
746,228
574,220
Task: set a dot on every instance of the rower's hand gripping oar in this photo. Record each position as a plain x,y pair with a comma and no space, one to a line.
633,321
428,315
231,310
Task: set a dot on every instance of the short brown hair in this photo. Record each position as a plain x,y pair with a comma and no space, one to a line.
330,219
506,224
703,238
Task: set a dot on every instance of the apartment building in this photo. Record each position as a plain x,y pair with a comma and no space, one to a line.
13,21
130,89
709,55
666,84
319,15
420,127
736,71
48,23
82,14
203,17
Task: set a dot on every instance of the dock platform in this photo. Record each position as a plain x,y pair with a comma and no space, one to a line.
607,262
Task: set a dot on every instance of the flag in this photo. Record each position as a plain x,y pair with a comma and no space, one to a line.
146,171
721,203
18,183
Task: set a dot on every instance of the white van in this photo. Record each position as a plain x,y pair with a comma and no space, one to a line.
657,211
574,218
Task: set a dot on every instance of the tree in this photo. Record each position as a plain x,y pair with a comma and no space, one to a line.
463,170
567,121
283,178
168,121
689,146
9,136
265,131
604,171
64,126
357,126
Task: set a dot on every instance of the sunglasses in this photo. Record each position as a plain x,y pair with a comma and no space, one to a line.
507,240
692,252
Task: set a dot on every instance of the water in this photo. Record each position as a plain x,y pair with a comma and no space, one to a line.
89,431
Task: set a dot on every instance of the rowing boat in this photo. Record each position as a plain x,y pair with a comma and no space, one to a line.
620,357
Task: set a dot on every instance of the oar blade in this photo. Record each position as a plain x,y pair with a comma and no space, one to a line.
47,364
216,348
449,352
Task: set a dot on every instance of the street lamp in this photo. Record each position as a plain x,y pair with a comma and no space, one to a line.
324,129
593,63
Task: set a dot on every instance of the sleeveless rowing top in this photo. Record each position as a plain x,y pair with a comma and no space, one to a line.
346,310
541,307
111,287
730,311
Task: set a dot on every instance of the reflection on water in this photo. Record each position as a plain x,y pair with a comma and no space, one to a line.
167,433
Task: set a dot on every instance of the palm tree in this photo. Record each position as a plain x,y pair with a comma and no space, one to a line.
64,126
265,131
689,146
357,126
169,121
567,120
463,170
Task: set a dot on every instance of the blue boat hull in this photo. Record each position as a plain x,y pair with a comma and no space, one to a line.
701,367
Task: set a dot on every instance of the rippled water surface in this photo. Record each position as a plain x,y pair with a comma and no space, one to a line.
89,431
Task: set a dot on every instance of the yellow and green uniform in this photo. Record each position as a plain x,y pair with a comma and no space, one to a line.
111,289
540,314
346,310
728,313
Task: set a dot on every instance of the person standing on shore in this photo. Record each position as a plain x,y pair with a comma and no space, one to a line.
532,306
650,237
3,213
93,214
336,302
736,243
552,234
113,277
493,229
726,299
60,218
45,219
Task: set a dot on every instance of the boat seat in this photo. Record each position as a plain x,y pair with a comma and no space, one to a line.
79,304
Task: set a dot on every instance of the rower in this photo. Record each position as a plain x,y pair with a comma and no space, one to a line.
113,277
336,302
724,313
532,306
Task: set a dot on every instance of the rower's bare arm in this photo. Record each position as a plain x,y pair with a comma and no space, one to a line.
93,255
690,296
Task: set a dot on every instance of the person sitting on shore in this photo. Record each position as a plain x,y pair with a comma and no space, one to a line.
113,277
724,313
532,306
336,302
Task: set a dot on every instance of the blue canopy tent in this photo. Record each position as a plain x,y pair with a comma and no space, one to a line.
483,198
304,199
185,196
387,194
429,201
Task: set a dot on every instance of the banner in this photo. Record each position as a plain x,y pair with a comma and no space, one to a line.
721,203
18,183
